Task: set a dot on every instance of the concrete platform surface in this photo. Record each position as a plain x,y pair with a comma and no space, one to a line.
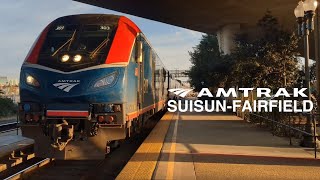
221,146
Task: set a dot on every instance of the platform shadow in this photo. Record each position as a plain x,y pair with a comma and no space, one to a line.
222,129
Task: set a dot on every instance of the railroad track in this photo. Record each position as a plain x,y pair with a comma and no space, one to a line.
21,171
7,127
50,169
107,168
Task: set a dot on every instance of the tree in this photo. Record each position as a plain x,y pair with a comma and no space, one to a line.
313,73
267,61
209,67
8,108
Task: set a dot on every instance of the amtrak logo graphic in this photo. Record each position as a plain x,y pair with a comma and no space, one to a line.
66,85
180,92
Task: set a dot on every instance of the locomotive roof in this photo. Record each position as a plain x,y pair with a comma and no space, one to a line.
88,19
120,51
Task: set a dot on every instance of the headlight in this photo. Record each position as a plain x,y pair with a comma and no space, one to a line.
32,81
65,58
77,58
108,80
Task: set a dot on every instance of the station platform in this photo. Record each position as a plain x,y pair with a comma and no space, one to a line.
217,146
14,149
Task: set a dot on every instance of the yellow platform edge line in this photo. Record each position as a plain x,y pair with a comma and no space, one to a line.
143,163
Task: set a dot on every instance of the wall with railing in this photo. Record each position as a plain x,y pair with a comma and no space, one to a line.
290,125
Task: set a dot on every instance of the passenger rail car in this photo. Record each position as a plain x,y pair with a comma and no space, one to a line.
87,82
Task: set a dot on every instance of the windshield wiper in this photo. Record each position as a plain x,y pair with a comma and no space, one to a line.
68,41
99,47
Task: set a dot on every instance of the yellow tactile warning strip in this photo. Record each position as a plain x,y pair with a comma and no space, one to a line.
144,161
170,169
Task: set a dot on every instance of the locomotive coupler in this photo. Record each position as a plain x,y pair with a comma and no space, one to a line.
94,127
61,135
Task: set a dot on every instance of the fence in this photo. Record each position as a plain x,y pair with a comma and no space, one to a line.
283,126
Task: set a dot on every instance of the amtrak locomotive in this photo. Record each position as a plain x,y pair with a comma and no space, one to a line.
87,82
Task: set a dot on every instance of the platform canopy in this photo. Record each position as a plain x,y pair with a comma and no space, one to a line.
203,15
208,16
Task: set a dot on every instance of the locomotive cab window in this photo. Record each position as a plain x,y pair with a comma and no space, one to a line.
73,47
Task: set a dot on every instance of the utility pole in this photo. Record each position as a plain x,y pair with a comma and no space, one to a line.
316,49
304,13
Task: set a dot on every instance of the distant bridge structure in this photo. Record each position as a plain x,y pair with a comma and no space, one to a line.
179,73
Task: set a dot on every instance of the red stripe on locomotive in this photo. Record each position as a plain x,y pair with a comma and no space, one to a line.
33,55
122,42
68,113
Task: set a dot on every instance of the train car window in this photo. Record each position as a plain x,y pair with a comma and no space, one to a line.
56,37
133,54
153,75
164,74
91,42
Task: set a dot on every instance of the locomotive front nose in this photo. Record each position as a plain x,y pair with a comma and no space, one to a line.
45,86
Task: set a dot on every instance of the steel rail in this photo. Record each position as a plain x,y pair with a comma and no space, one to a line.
7,127
36,165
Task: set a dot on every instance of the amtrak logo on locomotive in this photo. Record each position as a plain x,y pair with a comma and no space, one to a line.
66,85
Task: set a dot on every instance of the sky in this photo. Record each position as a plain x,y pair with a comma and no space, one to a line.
21,21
